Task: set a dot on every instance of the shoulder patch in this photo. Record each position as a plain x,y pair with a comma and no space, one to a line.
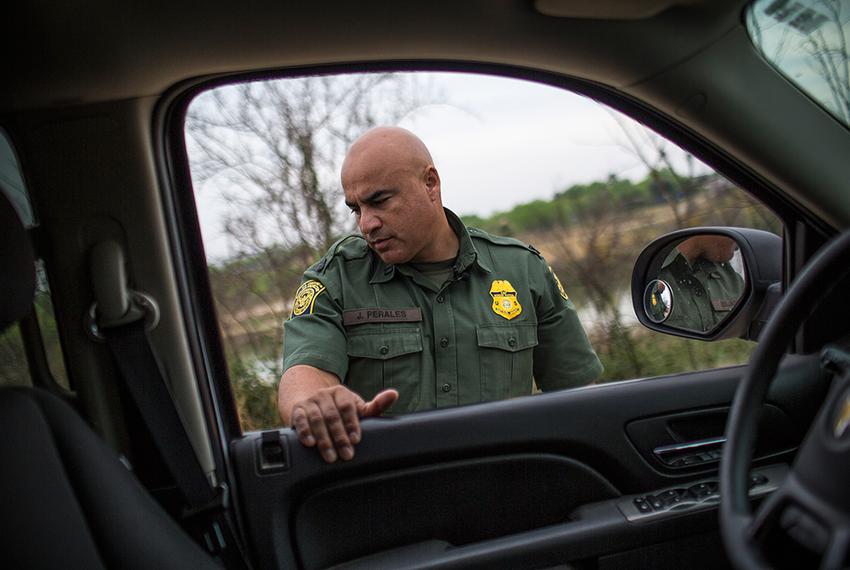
560,286
305,298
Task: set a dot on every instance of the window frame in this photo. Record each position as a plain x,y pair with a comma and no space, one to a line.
185,233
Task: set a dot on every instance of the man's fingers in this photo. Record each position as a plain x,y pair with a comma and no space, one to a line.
379,403
336,430
302,426
347,403
320,432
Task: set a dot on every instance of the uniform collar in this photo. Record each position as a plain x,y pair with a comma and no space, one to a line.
467,255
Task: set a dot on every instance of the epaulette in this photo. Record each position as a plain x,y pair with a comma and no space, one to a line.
349,247
501,240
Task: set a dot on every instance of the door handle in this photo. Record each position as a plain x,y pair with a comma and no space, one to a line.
690,452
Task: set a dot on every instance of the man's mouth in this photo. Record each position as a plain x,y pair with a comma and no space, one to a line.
380,243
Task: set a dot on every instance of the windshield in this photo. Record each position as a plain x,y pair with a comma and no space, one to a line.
807,41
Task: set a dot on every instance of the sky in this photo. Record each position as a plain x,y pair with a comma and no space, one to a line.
501,142
497,142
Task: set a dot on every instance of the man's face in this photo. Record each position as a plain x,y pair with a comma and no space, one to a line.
395,204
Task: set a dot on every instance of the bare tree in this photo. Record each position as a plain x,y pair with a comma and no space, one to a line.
275,148
784,30
653,151
829,56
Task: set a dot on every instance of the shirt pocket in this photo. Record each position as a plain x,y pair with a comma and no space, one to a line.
506,359
387,358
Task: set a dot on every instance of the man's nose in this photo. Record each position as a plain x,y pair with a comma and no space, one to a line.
368,222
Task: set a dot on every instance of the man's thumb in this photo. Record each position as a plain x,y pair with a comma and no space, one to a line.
379,403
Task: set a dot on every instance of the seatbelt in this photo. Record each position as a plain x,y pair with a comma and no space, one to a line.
120,317
205,514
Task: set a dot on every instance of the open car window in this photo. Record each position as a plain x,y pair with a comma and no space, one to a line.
585,185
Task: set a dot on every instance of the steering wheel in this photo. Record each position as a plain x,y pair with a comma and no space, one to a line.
807,519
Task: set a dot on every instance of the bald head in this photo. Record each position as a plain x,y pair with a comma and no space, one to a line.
715,248
384,146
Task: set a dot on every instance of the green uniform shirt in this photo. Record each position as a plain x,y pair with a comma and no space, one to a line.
500,322
703,293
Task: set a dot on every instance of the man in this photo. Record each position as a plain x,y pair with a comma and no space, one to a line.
703,285
420,312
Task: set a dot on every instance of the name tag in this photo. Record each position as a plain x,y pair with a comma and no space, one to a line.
362,316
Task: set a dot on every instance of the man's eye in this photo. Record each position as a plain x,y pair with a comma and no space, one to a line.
355,212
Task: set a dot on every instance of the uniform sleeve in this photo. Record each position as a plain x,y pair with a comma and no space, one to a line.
314,334
563,357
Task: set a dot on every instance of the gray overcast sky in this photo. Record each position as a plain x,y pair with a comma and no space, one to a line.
501,142
497,143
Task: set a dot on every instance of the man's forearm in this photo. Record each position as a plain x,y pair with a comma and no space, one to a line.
299,383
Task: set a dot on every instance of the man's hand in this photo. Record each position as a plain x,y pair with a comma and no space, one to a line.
330,419
324,413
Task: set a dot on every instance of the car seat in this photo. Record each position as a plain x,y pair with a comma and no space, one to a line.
67,501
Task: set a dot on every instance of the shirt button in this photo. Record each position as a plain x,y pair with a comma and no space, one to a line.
384,349
440,298
446,387
511,342
444,342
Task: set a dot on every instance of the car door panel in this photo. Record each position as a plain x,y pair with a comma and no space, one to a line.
468,501
533,481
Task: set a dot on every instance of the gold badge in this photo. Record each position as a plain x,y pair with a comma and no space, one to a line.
560,287
305,297
505,303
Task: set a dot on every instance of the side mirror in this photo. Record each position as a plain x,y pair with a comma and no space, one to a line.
708,283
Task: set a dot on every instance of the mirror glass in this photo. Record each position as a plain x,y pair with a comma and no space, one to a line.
699,280
657,301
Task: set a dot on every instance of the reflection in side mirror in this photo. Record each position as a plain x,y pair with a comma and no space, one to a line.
722,282
703,277
657,301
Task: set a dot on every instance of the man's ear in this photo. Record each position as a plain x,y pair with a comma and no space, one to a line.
432,183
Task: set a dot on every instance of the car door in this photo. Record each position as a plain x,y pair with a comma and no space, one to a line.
618,474
529,483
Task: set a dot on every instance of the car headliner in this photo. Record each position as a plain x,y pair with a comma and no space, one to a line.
691,61
105,51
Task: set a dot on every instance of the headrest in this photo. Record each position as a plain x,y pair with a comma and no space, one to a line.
17,266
